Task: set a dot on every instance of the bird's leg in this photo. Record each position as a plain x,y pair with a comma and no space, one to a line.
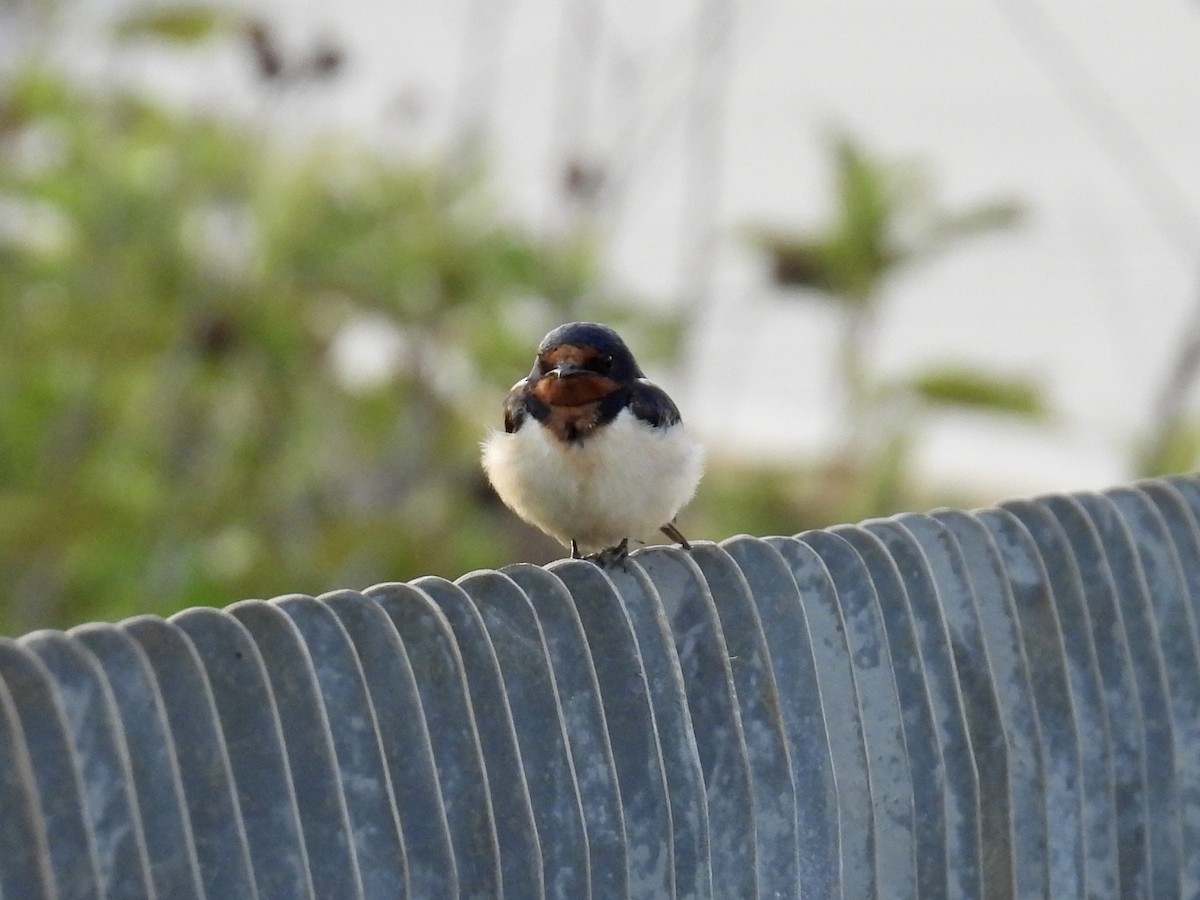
575,550
676,535
611,556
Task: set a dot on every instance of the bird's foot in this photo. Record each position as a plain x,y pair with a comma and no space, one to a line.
676,535
575,554
610,556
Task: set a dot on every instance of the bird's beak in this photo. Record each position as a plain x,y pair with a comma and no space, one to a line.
565,369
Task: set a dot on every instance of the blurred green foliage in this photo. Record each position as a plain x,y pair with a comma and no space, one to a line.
233,367
184,25
1172,448
958,387
182,417
886,218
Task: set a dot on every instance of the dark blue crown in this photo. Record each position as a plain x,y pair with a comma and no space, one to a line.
584,334
597,337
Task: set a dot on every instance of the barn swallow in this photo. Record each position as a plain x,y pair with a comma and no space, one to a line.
593,453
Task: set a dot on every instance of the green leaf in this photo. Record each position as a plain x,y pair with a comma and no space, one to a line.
885,218
965,388
812,263
183,25
997,215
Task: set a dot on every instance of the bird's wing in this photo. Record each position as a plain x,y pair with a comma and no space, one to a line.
516,407
650,403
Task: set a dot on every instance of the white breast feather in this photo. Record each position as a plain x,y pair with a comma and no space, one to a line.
626,480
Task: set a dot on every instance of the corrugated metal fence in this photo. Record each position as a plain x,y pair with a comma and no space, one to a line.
1000,703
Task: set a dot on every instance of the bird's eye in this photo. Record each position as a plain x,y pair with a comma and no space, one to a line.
604,364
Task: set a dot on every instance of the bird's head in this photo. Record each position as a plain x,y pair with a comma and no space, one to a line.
580,363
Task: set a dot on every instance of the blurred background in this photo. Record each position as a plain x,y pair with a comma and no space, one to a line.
267,270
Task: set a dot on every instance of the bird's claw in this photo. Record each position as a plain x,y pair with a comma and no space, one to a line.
610,556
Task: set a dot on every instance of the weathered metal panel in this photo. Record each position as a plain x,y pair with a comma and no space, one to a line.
26,867
450,718
312,760
528,677
1034,797
111,810
688,806
589,752
1083,557
1045,582
835,678
757,707
56,782
882,731
789,647
699,645
218,832
1165,587
520,855
249,723
404,739
1004,703
374,826
1039,632
924,767
637,751
1119,557
1003,797
955,768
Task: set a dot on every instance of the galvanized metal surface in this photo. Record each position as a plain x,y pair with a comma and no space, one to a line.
990,704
